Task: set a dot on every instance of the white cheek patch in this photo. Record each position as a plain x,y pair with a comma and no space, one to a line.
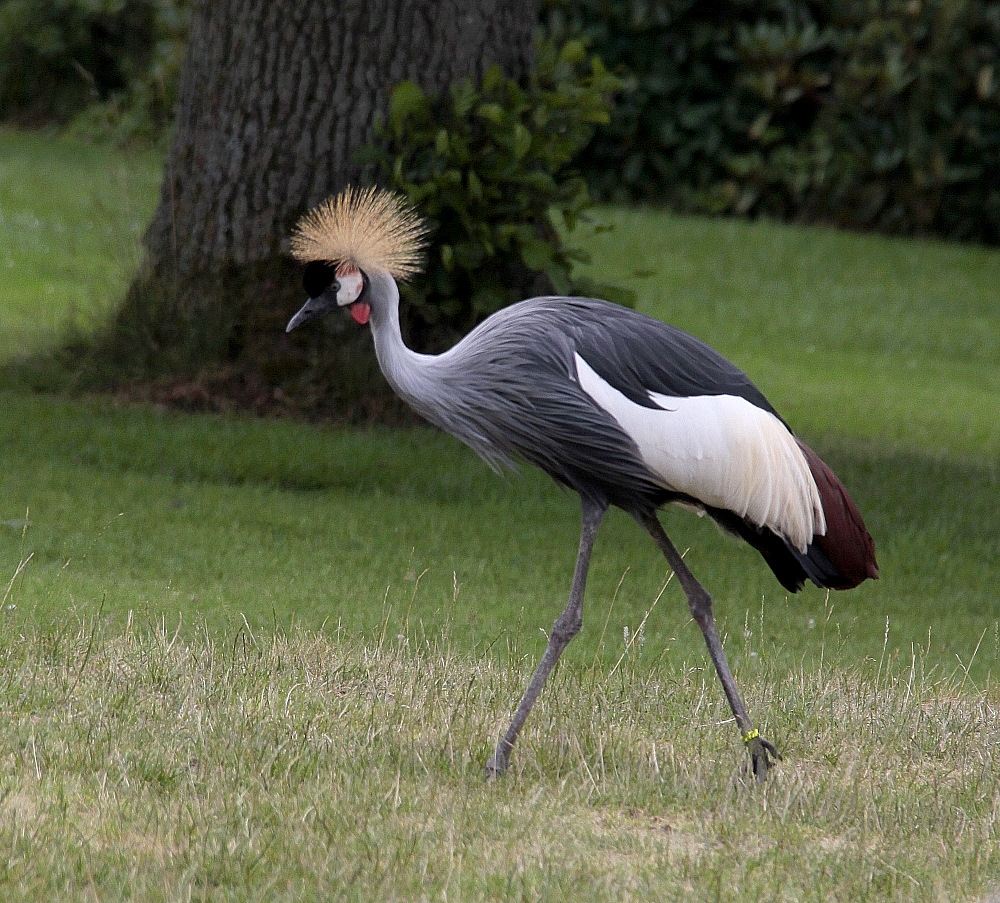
351,284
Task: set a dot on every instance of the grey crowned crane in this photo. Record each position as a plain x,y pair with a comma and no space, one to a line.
618,407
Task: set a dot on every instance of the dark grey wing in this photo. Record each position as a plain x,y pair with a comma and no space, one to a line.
512,392
638,355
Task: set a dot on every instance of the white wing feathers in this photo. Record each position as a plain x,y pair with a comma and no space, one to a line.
723,451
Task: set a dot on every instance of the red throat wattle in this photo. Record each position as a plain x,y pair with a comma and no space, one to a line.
360,311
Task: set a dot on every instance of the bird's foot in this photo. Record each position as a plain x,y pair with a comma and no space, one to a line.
763,755
497,764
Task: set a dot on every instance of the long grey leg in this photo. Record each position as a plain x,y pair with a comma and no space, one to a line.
763,755
566,627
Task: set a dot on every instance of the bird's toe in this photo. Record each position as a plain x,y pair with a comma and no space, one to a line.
763,757
496,766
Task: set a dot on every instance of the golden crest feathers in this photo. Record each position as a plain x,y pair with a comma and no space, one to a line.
368,228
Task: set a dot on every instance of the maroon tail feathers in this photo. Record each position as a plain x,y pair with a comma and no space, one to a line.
847,544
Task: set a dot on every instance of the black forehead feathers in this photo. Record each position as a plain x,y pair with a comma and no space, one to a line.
317,277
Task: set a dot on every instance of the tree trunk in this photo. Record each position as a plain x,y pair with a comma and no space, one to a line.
274,100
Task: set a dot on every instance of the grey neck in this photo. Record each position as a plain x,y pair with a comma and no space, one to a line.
405,370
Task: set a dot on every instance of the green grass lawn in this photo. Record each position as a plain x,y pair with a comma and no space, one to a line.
884,355
214,518
70,220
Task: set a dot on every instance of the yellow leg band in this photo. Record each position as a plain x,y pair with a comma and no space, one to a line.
751,735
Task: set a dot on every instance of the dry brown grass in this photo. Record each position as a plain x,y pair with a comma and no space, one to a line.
154,765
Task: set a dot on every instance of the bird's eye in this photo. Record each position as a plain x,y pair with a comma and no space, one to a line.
317,277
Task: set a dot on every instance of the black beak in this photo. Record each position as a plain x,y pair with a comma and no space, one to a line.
314,307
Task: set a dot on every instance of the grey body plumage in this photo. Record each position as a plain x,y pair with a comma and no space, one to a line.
621,408
509,390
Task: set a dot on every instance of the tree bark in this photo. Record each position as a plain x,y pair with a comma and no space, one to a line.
275,98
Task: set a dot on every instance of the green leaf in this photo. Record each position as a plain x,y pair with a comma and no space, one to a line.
491,111
537,255
520,141
488,298
561,282
468,255
475,186
463,97
573,52
541,183
493,79
408,99
458,147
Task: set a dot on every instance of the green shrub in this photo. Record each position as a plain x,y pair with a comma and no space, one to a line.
906,132
865,114
110,65
491,166
877,114
676,112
